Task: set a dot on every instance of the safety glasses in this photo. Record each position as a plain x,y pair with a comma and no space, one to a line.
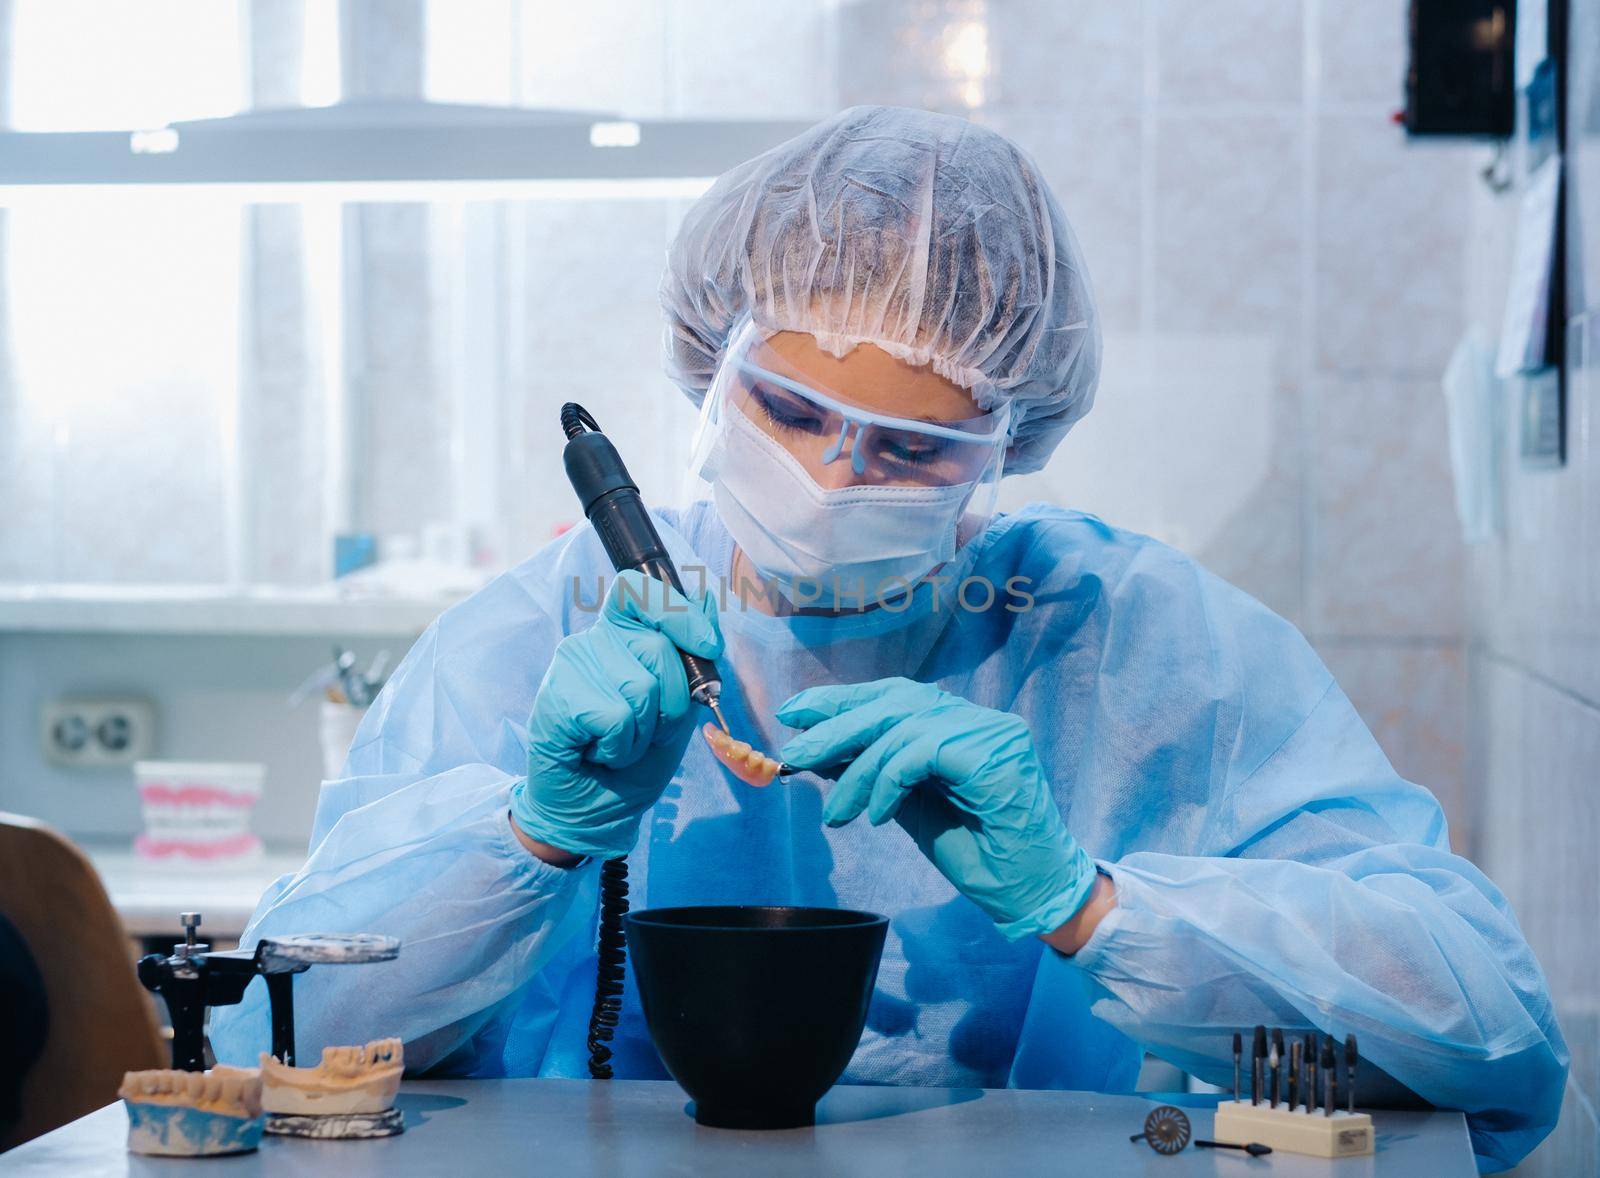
824,426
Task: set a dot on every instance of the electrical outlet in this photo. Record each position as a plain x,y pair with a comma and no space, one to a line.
97,733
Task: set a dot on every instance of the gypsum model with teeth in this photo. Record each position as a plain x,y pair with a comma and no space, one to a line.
193,1114
362,1079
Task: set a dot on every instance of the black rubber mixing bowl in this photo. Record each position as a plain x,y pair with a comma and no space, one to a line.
755,1011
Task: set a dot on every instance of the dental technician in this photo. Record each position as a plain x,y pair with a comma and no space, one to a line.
1109,802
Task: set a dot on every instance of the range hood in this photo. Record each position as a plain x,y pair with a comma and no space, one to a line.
390,141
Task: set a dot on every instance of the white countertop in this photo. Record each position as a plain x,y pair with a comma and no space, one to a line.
148,896
644,1127
204,609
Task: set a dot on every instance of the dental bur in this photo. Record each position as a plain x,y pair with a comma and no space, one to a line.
1238,1050
1331,1068
1295,1086
1350,1073
1258,1055
1277,1059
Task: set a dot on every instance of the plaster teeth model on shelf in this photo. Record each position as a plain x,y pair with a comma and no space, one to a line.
197,814
193,1114
349,1094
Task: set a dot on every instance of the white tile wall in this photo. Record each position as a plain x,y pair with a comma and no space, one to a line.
1229,52
1390,262
1192,440
1094,162
934,54
1387,552
1227,244
1363,51
1067,55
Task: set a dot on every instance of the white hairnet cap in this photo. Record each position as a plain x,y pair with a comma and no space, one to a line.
930,237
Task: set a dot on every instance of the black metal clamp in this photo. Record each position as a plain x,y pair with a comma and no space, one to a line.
194,977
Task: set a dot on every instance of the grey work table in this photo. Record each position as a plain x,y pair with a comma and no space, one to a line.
460,1128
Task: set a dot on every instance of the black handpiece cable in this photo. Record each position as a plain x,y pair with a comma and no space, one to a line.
611,501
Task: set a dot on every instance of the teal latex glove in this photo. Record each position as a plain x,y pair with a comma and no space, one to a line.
963,781
610,721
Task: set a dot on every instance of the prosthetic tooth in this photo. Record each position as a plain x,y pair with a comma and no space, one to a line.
227,1090
750,765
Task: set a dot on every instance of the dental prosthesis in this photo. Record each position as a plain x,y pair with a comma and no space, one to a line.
193,1114
749,765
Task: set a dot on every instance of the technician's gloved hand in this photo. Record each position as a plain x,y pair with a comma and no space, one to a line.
965,783
610,722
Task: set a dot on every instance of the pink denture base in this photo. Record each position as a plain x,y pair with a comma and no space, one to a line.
194,795
152,848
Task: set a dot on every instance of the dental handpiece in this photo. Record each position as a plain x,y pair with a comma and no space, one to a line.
612,503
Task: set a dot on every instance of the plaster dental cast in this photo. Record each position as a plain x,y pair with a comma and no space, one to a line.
1135,815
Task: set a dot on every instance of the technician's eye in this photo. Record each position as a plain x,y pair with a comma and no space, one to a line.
786,413
903,452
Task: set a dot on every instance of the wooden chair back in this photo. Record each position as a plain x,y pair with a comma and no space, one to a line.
100,1021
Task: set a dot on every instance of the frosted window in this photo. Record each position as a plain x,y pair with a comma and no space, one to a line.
85,65
471,46
123,318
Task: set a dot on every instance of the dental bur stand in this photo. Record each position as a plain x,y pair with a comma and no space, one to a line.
194,977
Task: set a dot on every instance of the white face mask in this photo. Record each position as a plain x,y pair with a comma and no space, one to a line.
855,544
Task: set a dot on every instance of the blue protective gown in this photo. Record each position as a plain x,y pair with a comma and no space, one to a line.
1270,865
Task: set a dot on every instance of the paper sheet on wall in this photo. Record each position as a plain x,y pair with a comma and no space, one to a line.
1522,333
1531,43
